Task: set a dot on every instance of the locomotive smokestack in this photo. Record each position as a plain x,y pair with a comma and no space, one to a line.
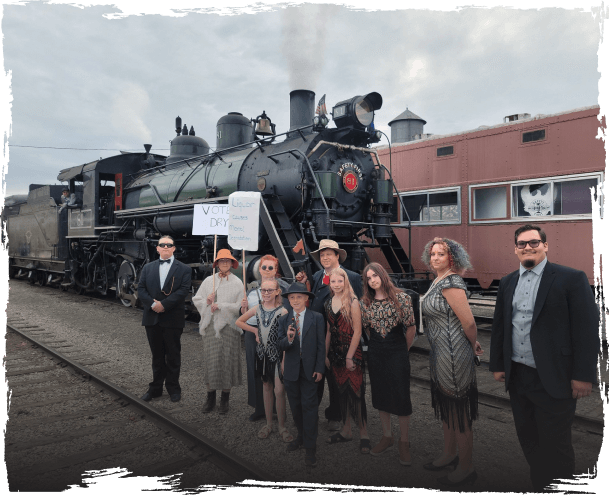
302,108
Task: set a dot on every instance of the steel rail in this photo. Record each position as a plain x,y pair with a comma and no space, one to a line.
218,455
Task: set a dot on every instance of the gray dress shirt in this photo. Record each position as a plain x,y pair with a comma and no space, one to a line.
523,305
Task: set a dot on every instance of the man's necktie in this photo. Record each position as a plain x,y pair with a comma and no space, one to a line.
168,260
297,328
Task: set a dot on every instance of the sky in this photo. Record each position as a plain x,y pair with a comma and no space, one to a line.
96,82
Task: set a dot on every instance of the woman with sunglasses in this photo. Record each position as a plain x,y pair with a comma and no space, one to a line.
451,332
268,270
268,356
221,337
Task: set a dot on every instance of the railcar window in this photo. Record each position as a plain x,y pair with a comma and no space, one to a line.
490,202
570,197
537,135
433,207
445,151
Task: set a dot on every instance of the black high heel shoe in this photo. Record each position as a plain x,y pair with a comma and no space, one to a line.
470,479
430,466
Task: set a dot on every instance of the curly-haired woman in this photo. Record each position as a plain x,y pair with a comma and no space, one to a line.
451,332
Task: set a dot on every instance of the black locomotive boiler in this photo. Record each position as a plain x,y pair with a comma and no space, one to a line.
315,181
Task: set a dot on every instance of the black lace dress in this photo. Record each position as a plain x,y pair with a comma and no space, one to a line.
388,359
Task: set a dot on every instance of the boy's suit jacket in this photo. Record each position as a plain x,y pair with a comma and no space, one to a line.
313,336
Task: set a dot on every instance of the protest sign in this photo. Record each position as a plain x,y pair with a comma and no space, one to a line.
210,219
243,220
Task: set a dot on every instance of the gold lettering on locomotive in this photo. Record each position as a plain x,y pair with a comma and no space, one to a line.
351,175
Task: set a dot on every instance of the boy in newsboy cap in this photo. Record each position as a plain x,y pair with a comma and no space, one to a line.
302,336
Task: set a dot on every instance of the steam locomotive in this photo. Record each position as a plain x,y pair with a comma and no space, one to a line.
315,182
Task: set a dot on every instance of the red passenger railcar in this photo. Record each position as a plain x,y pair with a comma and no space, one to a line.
478,186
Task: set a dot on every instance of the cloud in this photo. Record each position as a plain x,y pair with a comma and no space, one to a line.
129,108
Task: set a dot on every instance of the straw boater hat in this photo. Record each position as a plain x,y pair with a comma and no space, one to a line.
330,244
298,288
224,254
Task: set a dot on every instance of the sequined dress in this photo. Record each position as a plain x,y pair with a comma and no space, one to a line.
451,358
350,384
388,359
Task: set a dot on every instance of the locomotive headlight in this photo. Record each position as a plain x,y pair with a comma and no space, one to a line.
358,111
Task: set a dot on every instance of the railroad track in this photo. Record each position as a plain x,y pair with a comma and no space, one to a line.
64,418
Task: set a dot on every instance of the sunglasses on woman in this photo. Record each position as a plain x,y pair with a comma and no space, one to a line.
267,291
267,267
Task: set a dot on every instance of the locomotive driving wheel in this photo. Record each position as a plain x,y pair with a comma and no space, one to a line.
124,286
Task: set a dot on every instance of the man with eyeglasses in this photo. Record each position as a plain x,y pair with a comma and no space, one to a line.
544,346
162,288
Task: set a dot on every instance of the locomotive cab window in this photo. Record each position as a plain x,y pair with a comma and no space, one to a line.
431,207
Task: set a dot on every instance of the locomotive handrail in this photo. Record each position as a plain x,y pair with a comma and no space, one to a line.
217,153
181,205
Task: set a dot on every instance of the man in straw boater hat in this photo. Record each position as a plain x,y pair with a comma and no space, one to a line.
301,335
330,256
163,287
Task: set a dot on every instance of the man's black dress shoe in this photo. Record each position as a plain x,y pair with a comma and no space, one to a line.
256,417
295,444
147,397
310,459
175,397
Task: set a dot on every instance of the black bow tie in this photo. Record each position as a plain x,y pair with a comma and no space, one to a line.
168,260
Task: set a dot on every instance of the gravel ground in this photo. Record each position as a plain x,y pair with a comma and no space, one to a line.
105,330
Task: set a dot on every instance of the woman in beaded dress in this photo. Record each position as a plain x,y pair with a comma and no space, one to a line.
388,319
268,356
344,357
451,332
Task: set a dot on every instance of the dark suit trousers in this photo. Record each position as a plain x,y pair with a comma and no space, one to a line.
543,425
302,396
332,412
166,359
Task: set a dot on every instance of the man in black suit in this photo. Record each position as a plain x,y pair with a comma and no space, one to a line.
301,335
545,347
330,256
163,287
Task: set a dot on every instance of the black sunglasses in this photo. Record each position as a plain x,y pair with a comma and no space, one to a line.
165,245
533,243
267,267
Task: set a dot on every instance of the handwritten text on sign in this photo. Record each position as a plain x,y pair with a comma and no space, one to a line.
244,220
210,220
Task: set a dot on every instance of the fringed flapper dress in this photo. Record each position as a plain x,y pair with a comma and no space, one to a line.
268,356
454,392
388,359
350,384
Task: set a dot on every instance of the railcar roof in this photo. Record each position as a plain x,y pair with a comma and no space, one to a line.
539,116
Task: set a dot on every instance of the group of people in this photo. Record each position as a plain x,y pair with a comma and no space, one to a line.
544,345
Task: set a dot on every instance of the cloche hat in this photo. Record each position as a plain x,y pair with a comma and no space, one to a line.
225,254
330,244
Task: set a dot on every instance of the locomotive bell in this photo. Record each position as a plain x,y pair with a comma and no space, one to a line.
264,128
